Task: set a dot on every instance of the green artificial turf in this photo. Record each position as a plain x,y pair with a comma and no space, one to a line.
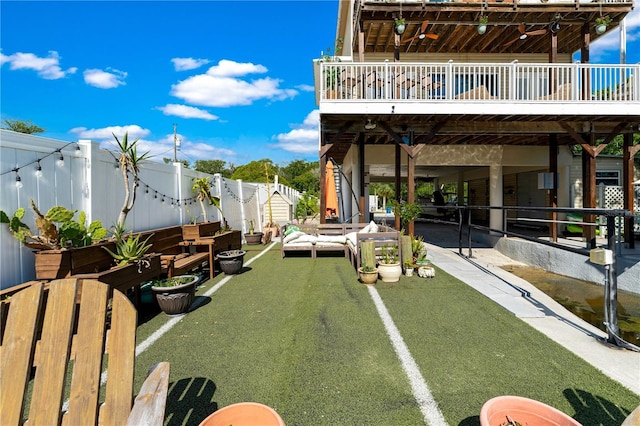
304,337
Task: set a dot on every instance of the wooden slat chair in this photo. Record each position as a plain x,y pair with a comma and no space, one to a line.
48,337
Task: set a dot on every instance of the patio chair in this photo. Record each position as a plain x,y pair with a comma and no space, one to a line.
56,339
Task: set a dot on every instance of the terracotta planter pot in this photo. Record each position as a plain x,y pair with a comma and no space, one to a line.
390,273
522,410
244,414
176,300
253,239
231,261
368,277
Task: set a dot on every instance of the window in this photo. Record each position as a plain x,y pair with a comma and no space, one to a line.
608,177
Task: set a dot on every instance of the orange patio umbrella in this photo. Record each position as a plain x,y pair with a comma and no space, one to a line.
330,193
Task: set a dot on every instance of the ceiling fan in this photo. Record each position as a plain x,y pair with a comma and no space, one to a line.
423,34
524,34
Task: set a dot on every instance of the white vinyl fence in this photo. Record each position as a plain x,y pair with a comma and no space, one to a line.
81,176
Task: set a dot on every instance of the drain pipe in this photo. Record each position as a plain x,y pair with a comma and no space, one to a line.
611,291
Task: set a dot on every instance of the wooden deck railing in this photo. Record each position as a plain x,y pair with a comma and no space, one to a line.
513,82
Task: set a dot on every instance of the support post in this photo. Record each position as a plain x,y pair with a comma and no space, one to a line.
553,193
611,286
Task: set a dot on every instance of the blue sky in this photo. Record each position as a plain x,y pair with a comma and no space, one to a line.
235,76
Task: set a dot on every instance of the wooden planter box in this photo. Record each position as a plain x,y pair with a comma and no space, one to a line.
196,231
230,240
53,264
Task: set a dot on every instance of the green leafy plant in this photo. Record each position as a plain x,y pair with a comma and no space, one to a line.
483,20
408,212
130,162
368,269
389,254
129,248
603,20
172,282
202,189
251,226
57,228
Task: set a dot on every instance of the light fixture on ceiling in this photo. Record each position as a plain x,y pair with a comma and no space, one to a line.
369,125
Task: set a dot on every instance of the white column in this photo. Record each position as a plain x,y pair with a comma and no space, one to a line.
495,196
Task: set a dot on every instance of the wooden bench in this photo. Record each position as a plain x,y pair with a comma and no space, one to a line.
213,244
314,242
46,338
175,256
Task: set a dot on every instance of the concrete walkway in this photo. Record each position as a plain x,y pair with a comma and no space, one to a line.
483,273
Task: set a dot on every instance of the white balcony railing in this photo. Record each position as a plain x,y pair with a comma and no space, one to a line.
466,82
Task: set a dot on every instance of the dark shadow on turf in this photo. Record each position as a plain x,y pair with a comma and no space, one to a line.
593,409
190,401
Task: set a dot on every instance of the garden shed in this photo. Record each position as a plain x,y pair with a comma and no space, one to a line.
281,209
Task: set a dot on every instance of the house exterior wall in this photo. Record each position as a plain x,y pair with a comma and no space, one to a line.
603,163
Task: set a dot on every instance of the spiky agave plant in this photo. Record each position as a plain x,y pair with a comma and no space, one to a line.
129,248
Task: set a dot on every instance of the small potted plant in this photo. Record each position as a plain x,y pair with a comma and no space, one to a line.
482,24
368,274
231,261
389,267
175,294
601,24
408,268
252,237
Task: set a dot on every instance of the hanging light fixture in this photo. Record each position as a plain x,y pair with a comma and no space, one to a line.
60,161
38,170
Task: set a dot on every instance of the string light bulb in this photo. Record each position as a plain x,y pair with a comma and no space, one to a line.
60,161
38,170
18,179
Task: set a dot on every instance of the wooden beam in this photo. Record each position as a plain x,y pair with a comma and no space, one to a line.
361,162
553,193
627,185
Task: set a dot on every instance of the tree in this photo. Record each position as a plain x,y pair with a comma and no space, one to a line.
383,190
185,163
302,175
202,189
254,171
214,166
22,126
129,160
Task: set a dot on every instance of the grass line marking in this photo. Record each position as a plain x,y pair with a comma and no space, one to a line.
428,406
173,321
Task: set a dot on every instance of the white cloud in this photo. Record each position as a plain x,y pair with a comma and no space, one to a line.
227,68
47,67
303,139
222,86
106,133
305,88
105,79
158,149
185,64
185,111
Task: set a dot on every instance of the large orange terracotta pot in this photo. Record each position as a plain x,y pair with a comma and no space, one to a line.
497,411
244,414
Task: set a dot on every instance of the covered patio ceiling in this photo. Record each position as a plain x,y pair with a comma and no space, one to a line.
455,24
342,131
